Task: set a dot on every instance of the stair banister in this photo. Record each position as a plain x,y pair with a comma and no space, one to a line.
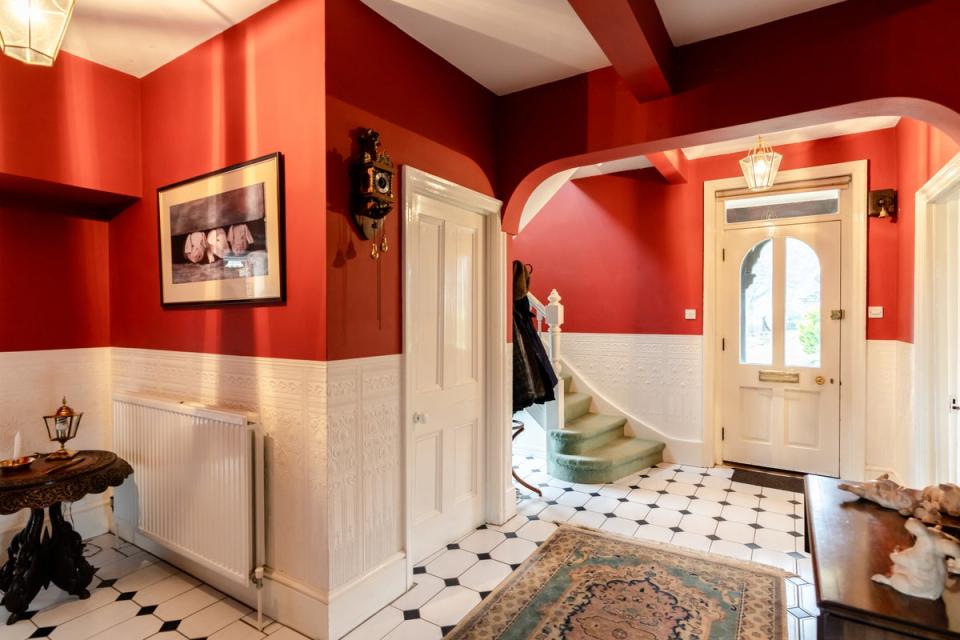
552,314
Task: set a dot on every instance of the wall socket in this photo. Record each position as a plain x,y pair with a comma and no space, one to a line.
874,312
689,314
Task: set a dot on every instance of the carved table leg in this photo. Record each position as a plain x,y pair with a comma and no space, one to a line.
24,573
63,549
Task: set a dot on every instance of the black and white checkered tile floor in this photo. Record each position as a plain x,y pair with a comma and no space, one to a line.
687,506
134,596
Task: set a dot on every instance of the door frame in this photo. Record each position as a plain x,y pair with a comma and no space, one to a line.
923,465
853,296
499,503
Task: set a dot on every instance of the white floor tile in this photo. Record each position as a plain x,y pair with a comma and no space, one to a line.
653,484
774,504
653,532
631,511
74,608
573,498
512,524
682,489
537,530
716,482
743,515
743,487
619,526
661,473
451,563
742,499
643,496
238,630
531,507
779,494
287,634
691,541
776,540
712,494
378,625
482,541
805,569
135,628
18,631
735,532
778,521
614,491
425,587
93,622
513,551
688,477
664,517
731,549
449,606
723,472
165,589
587,488
590,519
675,502
775,559
704,508
702,525
186,604
551,493
413,630
206,622
557,513
121,568
602,504
485,575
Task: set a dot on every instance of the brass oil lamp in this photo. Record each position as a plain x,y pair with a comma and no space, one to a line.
61,427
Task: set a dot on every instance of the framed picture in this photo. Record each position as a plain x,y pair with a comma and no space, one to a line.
221,236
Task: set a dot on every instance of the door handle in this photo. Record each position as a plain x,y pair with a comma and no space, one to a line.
419,418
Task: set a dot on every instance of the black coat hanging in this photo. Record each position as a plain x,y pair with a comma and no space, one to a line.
533,376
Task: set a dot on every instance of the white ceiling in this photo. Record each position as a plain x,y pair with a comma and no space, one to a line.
816,132
138,36
694,20
505,45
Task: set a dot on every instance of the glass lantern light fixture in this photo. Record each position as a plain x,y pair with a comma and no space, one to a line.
61,427
760,166
32,30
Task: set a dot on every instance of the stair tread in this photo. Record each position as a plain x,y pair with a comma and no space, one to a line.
589,425
575,396
615,453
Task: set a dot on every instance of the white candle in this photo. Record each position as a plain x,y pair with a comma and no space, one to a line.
16,446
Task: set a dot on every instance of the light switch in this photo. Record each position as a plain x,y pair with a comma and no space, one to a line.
690,314
874,312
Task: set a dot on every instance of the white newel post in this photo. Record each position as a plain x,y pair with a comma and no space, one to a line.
554,317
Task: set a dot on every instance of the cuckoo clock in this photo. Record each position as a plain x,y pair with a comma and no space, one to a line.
373,191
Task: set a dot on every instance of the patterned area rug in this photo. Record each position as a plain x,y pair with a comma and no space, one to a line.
587,585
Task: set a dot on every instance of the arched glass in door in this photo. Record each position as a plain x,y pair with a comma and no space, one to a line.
756,304
801,337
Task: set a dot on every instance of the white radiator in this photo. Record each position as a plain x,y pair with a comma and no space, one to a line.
197,486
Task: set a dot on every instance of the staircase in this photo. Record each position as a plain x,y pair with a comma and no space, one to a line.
592,448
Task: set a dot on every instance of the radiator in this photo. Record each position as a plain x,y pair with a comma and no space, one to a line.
197,487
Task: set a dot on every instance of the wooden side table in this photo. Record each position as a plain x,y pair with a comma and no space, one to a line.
850,541
35,560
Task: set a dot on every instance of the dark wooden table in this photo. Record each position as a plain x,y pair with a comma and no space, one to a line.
850,541
34,559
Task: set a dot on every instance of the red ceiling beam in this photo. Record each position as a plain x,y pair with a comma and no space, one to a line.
634,38
671,164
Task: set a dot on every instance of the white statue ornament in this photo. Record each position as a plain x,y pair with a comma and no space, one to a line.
921,570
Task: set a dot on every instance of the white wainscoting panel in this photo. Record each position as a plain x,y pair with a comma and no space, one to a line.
656,378
32,384
290,396
889,408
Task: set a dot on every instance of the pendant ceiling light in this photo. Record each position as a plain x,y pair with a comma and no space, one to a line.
32,30
760,166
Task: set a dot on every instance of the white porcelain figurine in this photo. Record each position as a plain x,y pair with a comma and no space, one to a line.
921,570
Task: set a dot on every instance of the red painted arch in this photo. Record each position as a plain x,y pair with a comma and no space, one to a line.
842,61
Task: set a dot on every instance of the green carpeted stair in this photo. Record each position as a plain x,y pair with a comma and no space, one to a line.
592,448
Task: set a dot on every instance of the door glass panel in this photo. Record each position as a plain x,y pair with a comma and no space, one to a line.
756,305
778,206
801,343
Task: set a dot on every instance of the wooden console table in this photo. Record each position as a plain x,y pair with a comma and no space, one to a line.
34,559
850,540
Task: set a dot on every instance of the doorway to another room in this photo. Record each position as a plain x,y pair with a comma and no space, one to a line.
784,322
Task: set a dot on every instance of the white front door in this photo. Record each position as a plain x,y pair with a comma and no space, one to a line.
446,368
779,287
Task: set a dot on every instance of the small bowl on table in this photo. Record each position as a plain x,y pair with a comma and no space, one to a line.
17,464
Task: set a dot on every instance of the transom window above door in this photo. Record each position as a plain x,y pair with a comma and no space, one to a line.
780,206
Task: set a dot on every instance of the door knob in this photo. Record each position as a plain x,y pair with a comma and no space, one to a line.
419,418
819,380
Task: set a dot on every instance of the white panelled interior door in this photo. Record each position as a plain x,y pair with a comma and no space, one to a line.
446,365
781,349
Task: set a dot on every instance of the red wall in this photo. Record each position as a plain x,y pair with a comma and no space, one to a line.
76,123
55,287
430,116
626,251
255,89
923,150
